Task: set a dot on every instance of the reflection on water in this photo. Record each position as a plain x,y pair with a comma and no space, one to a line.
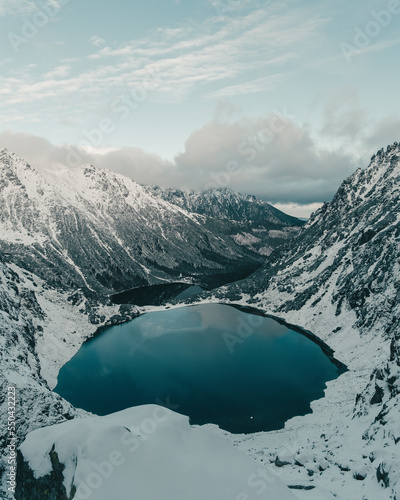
217,364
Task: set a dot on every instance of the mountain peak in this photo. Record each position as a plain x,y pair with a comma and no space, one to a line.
384,163
379,176
390,151
5,154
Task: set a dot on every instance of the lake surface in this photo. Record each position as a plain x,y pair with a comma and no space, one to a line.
212,362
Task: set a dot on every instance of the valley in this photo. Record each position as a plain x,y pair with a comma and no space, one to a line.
65,250
220,365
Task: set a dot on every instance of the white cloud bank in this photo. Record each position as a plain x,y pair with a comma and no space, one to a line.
271,157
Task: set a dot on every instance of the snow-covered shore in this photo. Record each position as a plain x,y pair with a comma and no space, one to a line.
339,279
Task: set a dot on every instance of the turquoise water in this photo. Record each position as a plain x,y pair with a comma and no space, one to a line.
212,362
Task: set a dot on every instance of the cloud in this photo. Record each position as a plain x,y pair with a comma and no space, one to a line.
250,87
58,72
346,122
96,40
15,6
270,157
141,166
243,54
36,150
244,47
4,62
343,115
385,131
8,7
225,111
302,211
380,46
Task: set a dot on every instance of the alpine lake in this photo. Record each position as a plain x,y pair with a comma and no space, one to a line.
212,362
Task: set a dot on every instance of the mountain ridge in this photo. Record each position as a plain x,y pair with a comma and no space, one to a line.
340,278
94,229
214,202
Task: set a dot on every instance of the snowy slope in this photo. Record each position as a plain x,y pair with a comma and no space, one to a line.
250,222
40,330
94,229
226,204
340,279
147,452
64,233
22,317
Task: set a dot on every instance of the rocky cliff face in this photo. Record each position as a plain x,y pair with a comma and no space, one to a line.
252,223
340,278
40,329
102,232
67,238
347,256
21,320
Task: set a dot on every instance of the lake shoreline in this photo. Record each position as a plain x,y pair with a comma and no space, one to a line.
245,308
273,353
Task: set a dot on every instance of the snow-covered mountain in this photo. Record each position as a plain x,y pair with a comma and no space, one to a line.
147,452
66,232
250,222
226,204
94,229
153,450
347,256
340,279
24,332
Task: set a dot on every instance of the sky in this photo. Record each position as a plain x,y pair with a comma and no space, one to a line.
280,99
